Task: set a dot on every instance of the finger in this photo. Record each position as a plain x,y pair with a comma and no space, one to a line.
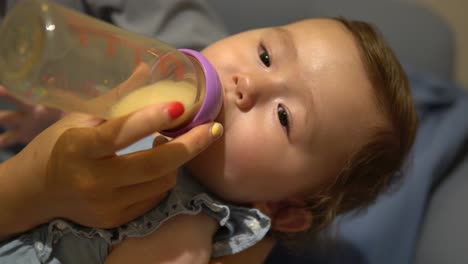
9,138
119,133
150,164
10,118
49,113
10,97
79,125
148,190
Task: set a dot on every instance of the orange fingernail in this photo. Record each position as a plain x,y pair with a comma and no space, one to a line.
175,109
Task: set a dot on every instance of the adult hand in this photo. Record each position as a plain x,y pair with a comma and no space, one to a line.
24,123
71,170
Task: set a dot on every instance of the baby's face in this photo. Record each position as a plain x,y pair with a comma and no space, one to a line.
297,102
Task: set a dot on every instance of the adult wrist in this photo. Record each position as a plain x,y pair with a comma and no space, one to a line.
20,199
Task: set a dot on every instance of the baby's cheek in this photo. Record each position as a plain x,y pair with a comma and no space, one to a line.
246,165
238,165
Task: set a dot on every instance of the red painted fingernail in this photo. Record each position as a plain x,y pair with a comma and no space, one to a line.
175,109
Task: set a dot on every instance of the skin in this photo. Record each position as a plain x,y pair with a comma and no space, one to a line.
309,71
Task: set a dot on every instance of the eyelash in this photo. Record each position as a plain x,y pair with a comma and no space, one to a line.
283,117
264,56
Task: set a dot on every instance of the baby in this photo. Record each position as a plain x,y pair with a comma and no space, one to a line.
318,117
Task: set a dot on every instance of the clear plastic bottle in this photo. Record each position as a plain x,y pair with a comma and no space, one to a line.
55,56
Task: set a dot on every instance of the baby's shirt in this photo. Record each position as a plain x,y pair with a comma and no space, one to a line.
61,241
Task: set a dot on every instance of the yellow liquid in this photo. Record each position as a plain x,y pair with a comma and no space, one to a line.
160,92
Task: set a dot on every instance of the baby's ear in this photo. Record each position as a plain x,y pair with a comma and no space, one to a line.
288,216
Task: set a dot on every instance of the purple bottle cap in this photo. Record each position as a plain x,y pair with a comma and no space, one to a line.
213,100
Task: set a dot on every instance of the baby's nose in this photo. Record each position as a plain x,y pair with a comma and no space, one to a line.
245,92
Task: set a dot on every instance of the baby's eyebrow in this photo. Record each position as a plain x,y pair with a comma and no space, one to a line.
287,40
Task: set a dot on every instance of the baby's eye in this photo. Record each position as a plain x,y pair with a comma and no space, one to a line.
283,117
264,56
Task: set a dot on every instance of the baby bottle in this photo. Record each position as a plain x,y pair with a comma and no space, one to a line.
57,57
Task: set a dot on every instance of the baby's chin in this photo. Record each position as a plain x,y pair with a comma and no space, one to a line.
207,164
216,184
208,169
